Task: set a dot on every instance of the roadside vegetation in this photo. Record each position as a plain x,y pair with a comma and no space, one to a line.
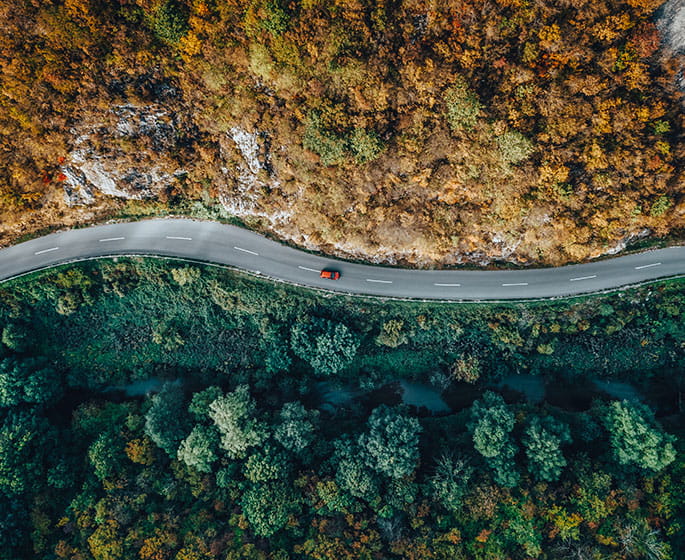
241,452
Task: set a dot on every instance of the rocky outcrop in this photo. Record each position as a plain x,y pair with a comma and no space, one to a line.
251,176
125,153
671,24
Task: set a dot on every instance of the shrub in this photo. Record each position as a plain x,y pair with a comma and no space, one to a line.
467,368
463,106
170,22
330,146
660,206
327,346
276,20
366,145
391,334
514,146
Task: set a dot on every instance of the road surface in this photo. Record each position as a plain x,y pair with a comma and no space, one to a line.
229,245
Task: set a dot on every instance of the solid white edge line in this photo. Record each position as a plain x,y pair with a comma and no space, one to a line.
309,269
448,285
179,238
46,251
246,251
379,281
647,266
516,284
582,278
112,239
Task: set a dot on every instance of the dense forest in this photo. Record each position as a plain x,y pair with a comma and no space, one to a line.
276,431
417,131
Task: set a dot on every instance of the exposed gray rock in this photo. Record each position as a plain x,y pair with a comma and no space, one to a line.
105,157
670,21
253,174
77,189
671,24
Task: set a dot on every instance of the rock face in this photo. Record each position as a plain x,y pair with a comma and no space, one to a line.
242,194
124,152
671,24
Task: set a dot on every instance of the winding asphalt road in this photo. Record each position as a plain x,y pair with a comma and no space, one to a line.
229,245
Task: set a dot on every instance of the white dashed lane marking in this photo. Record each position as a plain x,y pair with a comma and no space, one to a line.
379,281
46,251
179,238
647,266
516,284
246,251
112,239
447,285
582,278
309,269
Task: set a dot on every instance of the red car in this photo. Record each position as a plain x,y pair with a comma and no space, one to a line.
330,274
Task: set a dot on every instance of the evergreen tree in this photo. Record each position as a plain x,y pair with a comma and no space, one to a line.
543,440
165,423
636,439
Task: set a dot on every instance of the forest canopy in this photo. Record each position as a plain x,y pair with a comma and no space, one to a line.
429,132
158,410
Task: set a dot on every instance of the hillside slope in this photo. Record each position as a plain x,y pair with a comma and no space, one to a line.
416,132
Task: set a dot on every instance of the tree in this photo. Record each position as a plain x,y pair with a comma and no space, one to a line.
106,455
639,540
15,337
23,442
198,450
392,442
199,404
14,528
171,21
491,425
543,439
514,146
326,345
463,106
467,369
352,474
450,481
636,439
266,464
296,427
235,417
366,145
27,381
268,506
165,423
492,422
